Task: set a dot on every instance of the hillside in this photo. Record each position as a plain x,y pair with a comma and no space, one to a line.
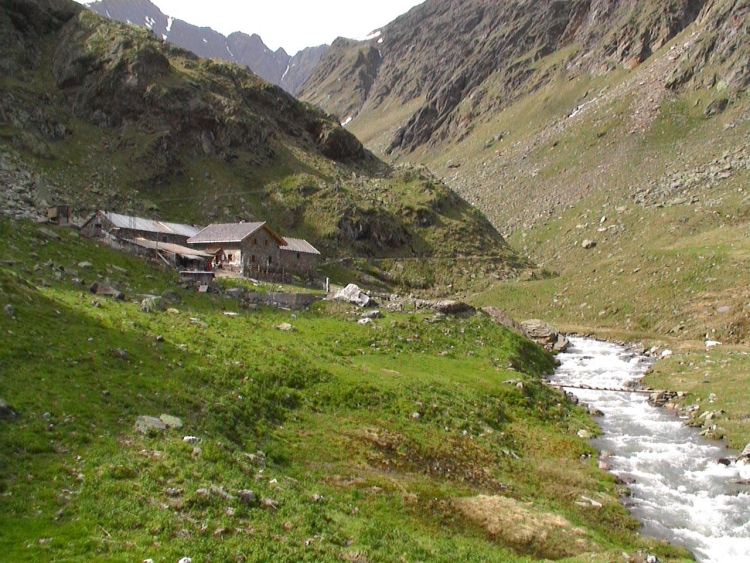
292,436
104,115
277,67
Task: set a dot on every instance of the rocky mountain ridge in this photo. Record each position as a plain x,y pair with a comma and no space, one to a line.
457,62
277,67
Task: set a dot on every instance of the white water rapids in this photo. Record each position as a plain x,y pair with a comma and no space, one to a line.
680,492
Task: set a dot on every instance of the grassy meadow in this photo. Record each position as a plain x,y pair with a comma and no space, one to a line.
414,438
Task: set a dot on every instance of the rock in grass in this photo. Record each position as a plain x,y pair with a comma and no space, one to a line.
353,294
152,304
171,421
10,310
119,353
171,296
588,244
716,107
285,327
247,496
453,307
376,314
46,233
6,411
148,424
270,504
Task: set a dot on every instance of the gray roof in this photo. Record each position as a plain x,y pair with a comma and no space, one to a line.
149,225
225,233
185,252
299,245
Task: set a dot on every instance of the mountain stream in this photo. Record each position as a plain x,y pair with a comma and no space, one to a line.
680,492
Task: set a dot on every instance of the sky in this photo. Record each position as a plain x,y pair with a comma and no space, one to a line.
291,24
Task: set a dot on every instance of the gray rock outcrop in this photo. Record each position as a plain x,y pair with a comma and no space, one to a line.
353,294
545,335
148,424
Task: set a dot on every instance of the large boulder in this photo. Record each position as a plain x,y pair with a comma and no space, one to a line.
353,294
149,424
106,290
545,335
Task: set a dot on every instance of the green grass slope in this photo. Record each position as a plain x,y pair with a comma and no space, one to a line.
408,439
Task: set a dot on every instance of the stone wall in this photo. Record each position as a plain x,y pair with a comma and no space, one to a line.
281,300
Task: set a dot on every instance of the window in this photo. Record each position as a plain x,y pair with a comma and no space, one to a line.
253,258
266,242
255,240
298,256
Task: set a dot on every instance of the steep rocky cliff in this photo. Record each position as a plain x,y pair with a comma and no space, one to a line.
458,61
276,67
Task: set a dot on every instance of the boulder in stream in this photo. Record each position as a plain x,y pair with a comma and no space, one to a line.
545,335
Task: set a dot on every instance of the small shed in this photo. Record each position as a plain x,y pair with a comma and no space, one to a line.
59,215
299,257
131,228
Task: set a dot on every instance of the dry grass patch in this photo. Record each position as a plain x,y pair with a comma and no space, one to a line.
518,526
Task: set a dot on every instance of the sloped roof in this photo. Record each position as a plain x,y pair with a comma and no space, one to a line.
149,225
183,251
225,232
299,245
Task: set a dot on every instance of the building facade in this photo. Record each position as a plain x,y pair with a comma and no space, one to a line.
256,251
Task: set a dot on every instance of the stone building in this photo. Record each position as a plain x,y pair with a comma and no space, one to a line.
255,250
299,257
245,247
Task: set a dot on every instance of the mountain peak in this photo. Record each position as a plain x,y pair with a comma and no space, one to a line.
247,50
